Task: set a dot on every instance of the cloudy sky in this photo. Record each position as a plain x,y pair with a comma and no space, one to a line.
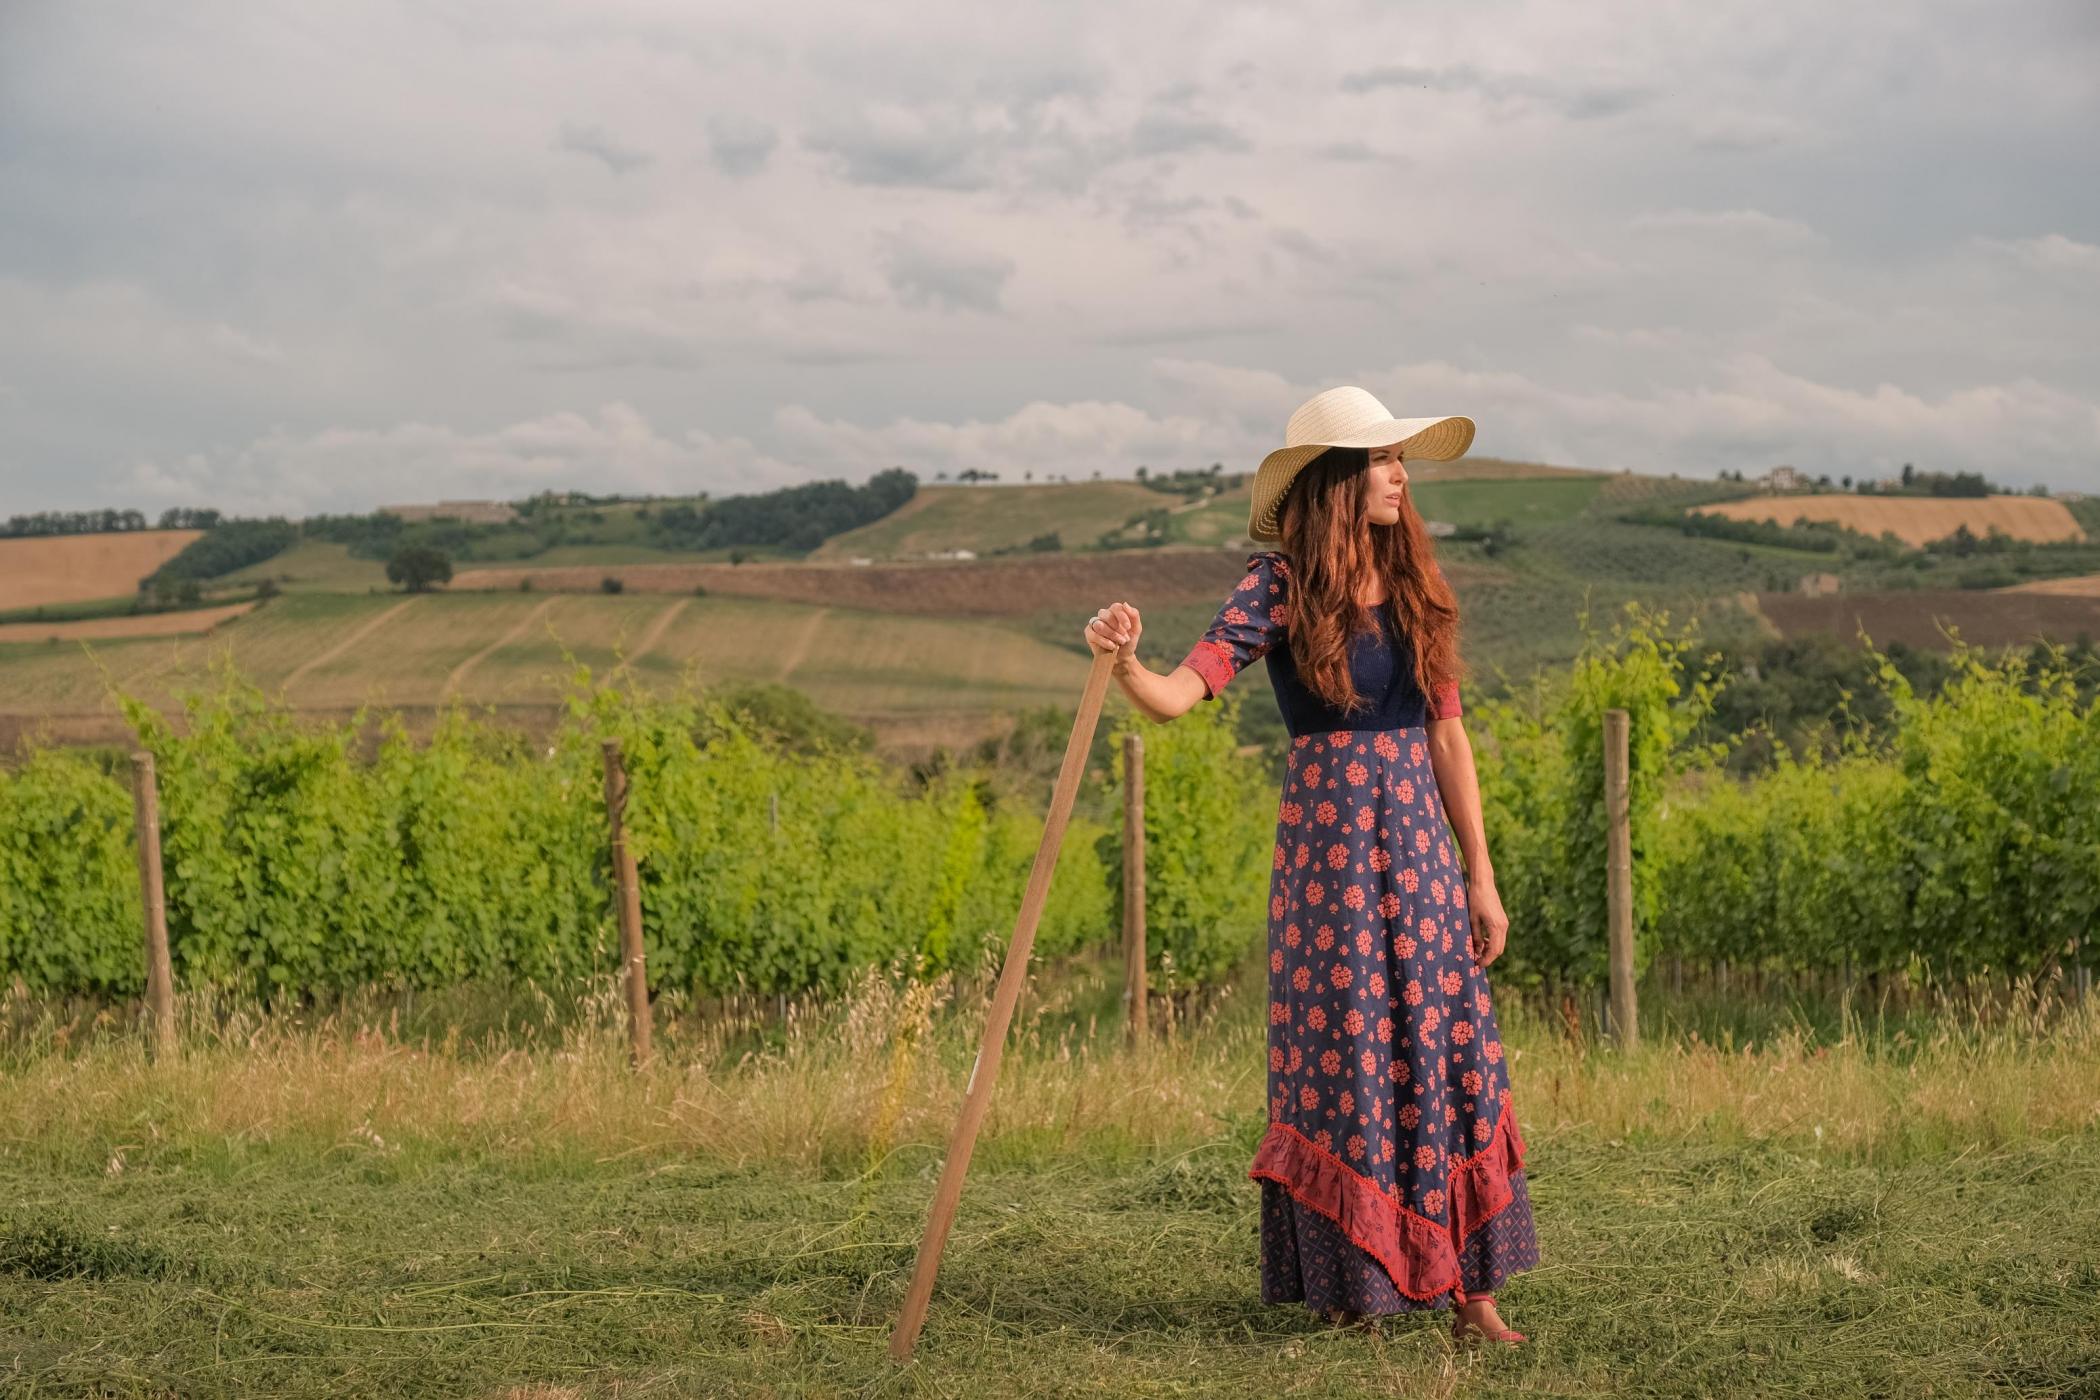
325,255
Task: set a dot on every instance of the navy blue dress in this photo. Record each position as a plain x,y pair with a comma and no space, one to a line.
1392,1168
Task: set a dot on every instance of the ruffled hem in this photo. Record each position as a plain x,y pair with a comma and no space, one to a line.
1419,1253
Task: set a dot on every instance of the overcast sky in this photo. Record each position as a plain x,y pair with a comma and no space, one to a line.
334,253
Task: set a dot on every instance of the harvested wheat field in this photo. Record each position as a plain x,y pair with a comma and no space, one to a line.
78,568
989,588
1916,520
166,624
2082,586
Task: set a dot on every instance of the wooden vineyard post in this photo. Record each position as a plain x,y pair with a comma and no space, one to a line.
160,971
628,883
1619,878
1134,889
977,1093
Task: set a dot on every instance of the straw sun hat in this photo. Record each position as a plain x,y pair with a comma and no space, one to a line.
1345,417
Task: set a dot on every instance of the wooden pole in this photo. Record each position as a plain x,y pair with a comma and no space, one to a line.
628,884
977,1094
1134,889
160,971
1619,881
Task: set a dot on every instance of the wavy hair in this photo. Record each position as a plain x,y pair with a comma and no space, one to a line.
1322,530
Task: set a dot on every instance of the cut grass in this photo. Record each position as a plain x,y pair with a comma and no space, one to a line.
333,1208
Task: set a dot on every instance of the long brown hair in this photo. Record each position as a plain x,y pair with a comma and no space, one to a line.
1332,553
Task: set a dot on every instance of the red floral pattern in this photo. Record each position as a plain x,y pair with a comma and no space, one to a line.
1390,1108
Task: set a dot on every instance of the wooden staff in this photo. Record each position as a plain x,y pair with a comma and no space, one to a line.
1134,889
977,1094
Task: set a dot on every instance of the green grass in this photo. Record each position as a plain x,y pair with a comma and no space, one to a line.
316,566
1524,502
339,1206
362,1270
990,517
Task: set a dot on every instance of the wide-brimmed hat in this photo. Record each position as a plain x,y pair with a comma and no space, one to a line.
1346,417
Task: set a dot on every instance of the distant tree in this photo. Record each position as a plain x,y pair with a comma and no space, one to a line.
417,566
610,584
1908,473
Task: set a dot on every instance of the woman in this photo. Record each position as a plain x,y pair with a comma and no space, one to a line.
1392,1170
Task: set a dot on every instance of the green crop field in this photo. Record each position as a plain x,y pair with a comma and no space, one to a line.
1464,502
991,517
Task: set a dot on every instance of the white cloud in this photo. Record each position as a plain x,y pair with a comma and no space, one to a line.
352,469
1752,224
1084,234
2052,252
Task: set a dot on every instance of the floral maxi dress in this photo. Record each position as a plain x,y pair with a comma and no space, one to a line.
1392,1169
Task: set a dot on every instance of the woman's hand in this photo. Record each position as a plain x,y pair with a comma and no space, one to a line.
1490,924
1115,628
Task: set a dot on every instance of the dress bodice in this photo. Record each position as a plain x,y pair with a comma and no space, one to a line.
1255,621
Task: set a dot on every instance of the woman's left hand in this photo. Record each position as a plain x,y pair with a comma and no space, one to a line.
1490,924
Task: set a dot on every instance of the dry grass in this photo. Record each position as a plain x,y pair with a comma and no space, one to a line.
2082,586
1916,520
881,1071
78,568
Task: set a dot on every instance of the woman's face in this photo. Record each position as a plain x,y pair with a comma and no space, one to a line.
1387,483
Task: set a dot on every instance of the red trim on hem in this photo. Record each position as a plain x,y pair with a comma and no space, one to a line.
1420,1254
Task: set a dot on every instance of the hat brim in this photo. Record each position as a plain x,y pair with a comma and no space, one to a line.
1419,439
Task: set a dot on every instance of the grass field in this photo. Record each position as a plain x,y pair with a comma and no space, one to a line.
184,622
1465,502
360,1206
78,568
989,517
316,566
330,652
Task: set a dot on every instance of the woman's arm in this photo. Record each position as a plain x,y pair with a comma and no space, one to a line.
1249,622
1451,756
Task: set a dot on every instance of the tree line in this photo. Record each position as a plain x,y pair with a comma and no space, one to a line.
104,522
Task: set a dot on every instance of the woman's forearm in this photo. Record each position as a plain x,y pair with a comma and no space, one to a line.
1451,756
1158,698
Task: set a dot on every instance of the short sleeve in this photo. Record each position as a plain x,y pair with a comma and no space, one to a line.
1248,624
